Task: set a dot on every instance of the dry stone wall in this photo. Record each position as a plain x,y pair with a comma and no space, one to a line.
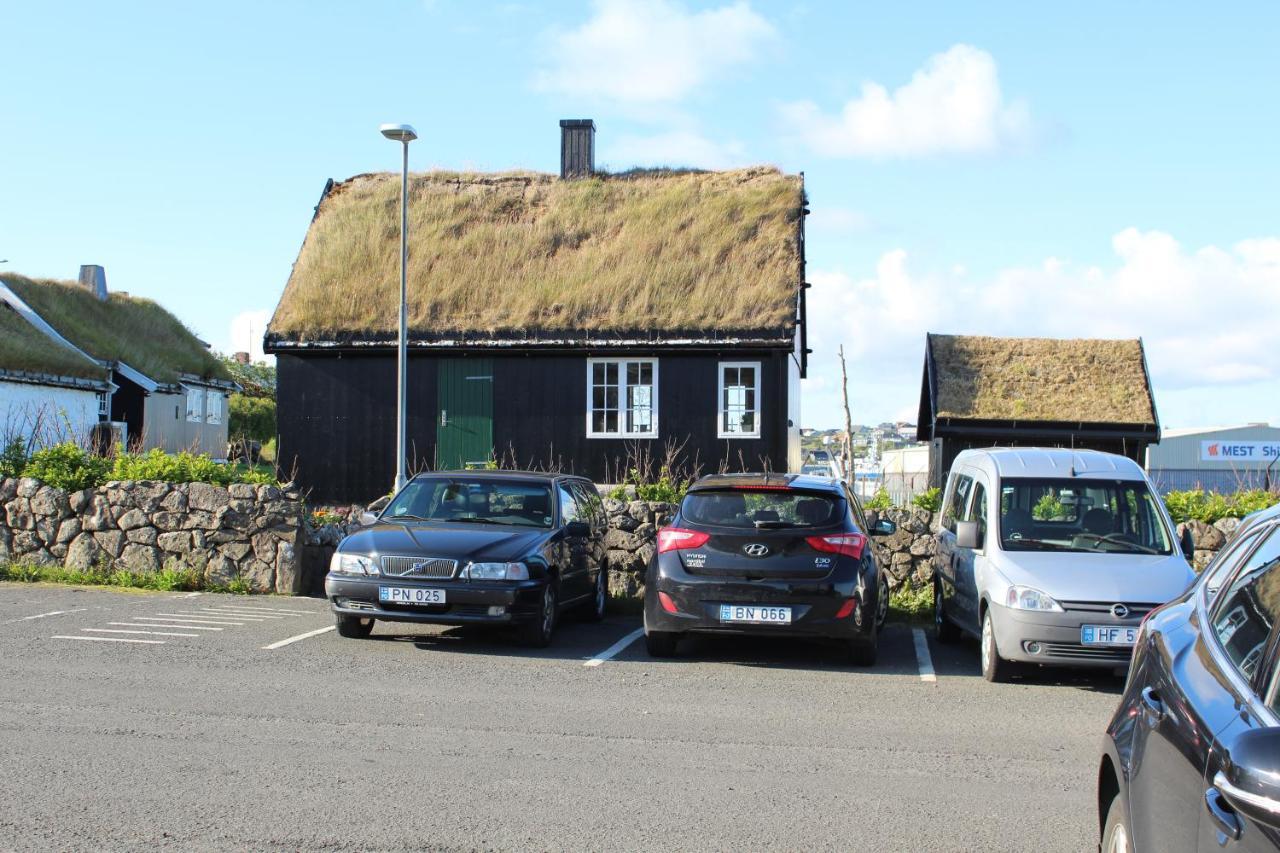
225,533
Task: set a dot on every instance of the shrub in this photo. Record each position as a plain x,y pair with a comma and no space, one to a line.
251,417
912,604
268,452
67,466
665,488
13,458
879,501
1199,505
929,500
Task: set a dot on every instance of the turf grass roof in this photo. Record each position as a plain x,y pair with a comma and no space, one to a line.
25,348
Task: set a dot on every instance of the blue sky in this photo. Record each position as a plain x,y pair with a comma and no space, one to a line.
1033,169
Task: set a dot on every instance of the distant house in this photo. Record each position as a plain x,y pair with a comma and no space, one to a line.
163,388
574,322
1218,459
1034,392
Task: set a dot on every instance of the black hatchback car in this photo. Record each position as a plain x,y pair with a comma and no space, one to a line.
472,547
1191,759
781,555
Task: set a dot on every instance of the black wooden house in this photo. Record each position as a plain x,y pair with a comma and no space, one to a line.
584,322
1034,392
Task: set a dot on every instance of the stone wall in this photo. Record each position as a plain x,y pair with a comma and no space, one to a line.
631,541
240,531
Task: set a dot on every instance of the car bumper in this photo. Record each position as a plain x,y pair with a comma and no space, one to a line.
1053,639
465,603
814,607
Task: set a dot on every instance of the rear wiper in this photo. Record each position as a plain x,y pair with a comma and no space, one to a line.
773,525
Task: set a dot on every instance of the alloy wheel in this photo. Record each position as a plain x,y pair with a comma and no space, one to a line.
988,643
548,610
601,583
882,605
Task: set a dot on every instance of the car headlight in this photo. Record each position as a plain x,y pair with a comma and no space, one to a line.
352,564
1026,598
498,572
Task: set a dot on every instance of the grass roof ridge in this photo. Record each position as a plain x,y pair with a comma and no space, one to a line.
133,329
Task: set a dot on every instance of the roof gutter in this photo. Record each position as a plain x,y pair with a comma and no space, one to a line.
28,377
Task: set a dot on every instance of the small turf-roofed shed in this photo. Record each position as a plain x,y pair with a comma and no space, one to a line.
165,385
567,321
1034,392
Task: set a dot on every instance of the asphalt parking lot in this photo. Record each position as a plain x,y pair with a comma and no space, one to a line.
246,723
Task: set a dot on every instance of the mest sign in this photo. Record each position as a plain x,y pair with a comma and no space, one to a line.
1239,451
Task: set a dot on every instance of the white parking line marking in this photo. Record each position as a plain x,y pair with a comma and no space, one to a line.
110,639
256,609
215,615
166,625
314,633
923,661
123,631
615,648
169,617
247,615
50,613
189,595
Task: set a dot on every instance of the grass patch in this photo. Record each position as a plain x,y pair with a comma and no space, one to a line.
911,605
24,347
125,328
511,252
168,579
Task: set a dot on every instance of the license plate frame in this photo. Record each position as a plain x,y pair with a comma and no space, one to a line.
415,595
755,614
1108,636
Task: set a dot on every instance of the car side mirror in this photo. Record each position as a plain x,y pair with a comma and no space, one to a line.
884,527
1250,781
368,519
969,534
577,528
1188,543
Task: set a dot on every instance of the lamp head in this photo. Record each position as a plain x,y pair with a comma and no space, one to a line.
399,132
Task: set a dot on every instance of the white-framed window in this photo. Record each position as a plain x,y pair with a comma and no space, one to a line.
104,406
195,405
213,408
739,398
622,398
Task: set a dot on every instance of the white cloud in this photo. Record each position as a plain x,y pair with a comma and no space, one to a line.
952,104
653,51
675,148
246,331
1207,318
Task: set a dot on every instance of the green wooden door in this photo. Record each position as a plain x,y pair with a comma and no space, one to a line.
464,412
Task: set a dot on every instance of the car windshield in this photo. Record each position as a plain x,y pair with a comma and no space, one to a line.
473,501
756,510
1081,516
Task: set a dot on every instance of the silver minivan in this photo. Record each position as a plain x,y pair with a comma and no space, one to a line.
1052,556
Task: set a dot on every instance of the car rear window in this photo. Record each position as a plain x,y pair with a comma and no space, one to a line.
754,509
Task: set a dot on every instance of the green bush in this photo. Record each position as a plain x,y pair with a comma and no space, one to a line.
879,501
912,604
268,453
929,500
1199,505
13,458
68,467
666,488
251,417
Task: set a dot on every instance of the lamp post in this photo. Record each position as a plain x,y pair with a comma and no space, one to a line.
404,134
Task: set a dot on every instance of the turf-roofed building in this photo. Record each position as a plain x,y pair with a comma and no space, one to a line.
1034,392
571,322
153,381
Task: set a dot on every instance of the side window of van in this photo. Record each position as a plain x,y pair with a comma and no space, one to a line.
978,510
959,498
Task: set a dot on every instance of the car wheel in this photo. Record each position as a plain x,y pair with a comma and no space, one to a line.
944,628
882,602
353,627
1115,832
600,598
537,633
864,652
994,667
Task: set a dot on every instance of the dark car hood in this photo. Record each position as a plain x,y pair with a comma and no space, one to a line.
463,542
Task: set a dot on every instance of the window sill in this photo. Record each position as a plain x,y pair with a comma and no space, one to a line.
733,435
622,435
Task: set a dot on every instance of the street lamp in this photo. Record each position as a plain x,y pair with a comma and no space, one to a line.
403,134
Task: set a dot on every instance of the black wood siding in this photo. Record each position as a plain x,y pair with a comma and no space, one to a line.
337,417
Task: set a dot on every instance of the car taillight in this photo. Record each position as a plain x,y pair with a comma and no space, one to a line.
846,609
847,544
677,539
667,604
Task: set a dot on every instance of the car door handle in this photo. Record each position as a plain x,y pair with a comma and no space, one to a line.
1226,820
1151,700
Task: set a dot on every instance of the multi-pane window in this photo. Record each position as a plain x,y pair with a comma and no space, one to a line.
195,405
213,411
739,399
622,399
104,406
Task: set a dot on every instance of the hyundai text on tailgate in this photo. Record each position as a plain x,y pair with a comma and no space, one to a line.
497,548
776,555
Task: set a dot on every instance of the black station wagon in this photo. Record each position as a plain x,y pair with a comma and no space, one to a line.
469,547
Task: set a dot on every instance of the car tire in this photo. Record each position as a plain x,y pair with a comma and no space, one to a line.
661,644
595,608
1116,837
865,652
944,628
353,627
538,632
994,668
882,602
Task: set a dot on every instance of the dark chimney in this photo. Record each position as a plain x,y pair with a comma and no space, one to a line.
577,148
94,279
